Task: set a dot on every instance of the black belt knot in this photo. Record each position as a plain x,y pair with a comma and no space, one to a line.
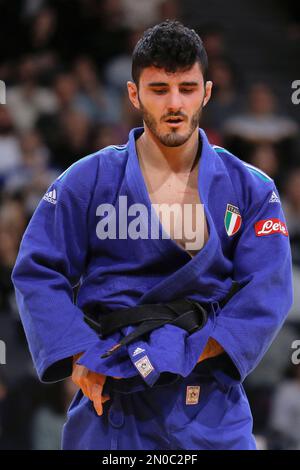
184,313
187,314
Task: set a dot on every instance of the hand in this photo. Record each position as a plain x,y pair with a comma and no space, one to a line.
91,384
212,349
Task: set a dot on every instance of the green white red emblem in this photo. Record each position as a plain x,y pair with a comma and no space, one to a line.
233,220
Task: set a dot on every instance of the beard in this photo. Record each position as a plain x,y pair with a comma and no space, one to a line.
172,138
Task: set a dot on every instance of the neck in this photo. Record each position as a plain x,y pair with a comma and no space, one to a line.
179,159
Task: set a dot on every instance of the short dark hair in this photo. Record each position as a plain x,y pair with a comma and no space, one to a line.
171,46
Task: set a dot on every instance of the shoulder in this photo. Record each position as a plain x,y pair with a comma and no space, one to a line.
87,166
85,170
252,184
80,179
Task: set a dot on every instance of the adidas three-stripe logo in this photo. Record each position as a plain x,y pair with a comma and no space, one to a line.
50,197
274,197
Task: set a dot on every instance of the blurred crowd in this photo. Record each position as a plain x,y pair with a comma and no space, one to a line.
65,67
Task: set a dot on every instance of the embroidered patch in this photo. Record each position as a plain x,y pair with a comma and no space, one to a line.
192,395
50,197
274,198
233,220
144,366
270,226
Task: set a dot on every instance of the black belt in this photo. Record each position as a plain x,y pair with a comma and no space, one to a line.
184,313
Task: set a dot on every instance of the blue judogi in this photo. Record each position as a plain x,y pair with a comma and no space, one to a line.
61,249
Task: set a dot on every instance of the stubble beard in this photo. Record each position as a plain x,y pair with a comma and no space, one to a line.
172,138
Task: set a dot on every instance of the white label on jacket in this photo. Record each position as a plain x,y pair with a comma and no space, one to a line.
144,366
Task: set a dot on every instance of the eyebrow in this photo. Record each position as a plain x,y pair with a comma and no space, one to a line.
157,84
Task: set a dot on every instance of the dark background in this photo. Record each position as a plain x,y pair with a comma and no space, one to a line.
65,64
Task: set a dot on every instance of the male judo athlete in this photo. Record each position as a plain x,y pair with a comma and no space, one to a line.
157,333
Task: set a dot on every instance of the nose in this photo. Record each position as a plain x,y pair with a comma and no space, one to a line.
174,101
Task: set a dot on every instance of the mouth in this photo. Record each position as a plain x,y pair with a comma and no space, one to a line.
174,121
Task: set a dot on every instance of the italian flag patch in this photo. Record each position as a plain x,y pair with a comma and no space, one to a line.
233,220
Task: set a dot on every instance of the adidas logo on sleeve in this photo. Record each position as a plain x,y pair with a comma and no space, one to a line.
274,198
51,197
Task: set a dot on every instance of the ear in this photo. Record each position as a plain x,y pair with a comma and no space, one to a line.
133,94
208,89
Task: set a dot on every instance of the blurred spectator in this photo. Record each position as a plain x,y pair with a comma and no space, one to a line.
32,7
262,382
265,157
101,103
214,40
285,416
118,69
10,152
291,204
170,9
104,136
261,123
42,31
106,33
76,140
50,416
275,362
141,14
34,175
42,39
294,315
27,100
22,398
226,99
72,134
67,132
3,394
66,90
12,225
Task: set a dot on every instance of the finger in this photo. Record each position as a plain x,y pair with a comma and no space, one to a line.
89,389
97,399
79,373
95,382
98,407
84,391
75,376
83,385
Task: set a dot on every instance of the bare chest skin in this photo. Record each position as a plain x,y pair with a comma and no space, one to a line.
175,198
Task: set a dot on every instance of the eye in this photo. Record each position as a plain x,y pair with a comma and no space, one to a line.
187,90
160,91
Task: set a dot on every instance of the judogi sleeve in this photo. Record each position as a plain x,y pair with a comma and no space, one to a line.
50,263
249,322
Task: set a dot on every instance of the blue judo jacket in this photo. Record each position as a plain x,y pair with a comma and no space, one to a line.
61,249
